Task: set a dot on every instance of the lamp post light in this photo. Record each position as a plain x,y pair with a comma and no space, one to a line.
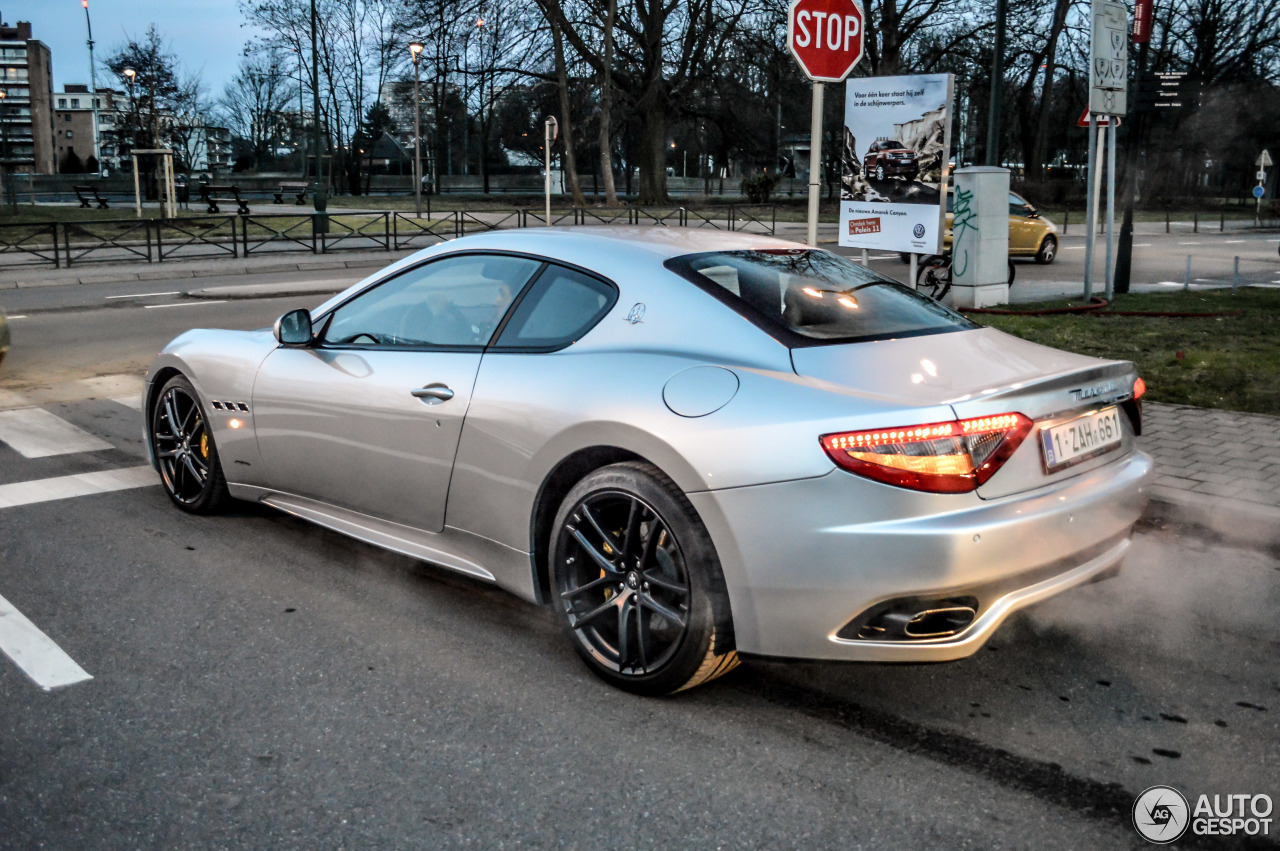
415,50
93,88
130,74
320,194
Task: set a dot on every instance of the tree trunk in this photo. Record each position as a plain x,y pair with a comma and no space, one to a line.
566,125
1046,93
653,155
606,105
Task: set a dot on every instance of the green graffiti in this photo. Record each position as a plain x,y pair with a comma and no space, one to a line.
963,221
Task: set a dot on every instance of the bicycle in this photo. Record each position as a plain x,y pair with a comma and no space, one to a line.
933,278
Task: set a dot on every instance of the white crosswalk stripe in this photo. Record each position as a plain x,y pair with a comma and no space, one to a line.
34,652
36,433
79,484
134,402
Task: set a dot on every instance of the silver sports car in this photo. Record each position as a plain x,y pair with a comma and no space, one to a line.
690,445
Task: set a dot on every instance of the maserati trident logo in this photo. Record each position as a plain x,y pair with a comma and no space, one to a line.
636,313
1161,814
1093,391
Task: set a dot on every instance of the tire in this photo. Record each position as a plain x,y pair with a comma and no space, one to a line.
185,454
933,277
1013,272
1048,251
879,172
634,511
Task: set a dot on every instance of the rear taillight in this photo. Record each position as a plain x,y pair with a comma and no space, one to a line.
951,457
1139,388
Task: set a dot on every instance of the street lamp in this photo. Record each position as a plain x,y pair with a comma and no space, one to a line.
415,51
320,195
93,85
129,74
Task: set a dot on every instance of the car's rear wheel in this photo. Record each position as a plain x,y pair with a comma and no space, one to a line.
182,444
637,585
1048,251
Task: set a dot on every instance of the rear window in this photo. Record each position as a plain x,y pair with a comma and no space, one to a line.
805,297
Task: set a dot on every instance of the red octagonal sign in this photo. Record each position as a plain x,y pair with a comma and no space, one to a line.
825,37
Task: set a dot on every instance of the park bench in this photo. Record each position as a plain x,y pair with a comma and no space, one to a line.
89,194
212,194
297,189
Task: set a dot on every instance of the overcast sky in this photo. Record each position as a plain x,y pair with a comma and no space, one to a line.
205,35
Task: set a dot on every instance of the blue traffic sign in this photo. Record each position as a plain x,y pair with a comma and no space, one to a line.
1258,192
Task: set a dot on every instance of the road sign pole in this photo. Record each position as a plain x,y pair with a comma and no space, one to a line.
1133,144
1091,215
815,162
1111,211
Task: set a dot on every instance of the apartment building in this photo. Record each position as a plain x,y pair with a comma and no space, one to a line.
26,111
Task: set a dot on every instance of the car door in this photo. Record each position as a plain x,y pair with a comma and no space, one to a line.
368,417
1024,229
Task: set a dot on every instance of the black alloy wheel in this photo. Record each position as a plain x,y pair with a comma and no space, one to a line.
636,583
182,444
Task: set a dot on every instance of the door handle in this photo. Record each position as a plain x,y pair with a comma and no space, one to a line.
433,394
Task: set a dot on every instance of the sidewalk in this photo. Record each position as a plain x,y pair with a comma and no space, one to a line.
1217,469
104,273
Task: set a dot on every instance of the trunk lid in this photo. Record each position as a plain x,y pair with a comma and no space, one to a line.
982,373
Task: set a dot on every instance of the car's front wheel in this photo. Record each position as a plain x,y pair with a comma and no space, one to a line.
1048,251
182,444
879,172
637,585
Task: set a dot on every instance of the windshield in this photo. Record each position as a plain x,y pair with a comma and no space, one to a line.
806,297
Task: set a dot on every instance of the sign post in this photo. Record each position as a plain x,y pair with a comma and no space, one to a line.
552,131
1264,162
825,37
1108,95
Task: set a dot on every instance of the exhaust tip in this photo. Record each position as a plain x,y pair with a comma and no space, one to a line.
914,620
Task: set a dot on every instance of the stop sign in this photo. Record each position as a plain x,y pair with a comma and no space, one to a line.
825,37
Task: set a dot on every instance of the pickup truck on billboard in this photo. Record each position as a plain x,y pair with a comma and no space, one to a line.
890,158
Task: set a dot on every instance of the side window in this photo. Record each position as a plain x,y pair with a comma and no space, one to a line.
455,301
1018,207
561,307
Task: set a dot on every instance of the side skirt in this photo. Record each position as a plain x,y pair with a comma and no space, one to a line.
455,549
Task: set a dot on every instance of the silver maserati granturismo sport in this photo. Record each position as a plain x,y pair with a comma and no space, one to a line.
690,445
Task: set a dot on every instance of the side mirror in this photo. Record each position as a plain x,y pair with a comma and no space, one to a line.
294,328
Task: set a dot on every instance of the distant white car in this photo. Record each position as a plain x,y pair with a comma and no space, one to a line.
688,444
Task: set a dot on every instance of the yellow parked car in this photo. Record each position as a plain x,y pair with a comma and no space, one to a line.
1030,234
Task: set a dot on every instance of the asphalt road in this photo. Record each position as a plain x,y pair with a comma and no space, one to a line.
258,682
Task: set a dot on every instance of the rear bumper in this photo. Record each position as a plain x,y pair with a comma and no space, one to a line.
802,559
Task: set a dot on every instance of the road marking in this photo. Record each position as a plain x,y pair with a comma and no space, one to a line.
885,256
1073,247
184,304
1232,241
143,295
36,433
1141,245
36,653
19,316
1188,243
80,484
134,402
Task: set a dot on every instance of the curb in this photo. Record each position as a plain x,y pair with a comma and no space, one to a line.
1247,524
250,291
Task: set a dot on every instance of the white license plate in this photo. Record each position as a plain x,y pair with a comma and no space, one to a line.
1083,437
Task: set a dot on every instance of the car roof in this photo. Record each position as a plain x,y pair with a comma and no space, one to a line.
591,245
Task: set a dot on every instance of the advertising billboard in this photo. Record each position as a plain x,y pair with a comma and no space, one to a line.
897,147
